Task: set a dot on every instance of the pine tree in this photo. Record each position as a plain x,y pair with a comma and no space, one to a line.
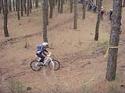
114,40
75,13
44,7
98,20
5,13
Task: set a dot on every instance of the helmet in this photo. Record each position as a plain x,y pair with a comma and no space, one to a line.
45,44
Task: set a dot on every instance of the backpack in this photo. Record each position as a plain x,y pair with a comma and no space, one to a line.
40,48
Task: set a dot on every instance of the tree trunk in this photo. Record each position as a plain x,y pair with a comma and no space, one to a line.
5,13
124,3
22,7
54,3
10,6
98,21
0,6
51,3
114,40
28,7
47,1
75,14
31,4
18,8
71,6
84,9
36,3
14,5
61,6
97,1
44,6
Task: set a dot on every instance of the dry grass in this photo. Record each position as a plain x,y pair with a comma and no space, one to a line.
15,86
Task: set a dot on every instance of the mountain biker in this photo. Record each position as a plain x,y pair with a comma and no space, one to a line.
41,51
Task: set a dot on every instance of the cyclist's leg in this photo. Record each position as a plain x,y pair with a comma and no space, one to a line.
40,56
42,59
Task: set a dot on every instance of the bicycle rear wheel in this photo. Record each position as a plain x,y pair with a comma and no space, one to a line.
35,65
54,65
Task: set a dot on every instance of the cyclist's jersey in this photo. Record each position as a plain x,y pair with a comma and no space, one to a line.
40,48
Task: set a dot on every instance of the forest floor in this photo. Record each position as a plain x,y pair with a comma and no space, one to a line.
83,61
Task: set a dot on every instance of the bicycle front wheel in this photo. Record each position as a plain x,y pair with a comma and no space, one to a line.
54,65
35,65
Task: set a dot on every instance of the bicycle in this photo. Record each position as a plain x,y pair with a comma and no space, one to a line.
53,64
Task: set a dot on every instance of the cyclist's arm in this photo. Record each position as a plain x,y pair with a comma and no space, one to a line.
45,52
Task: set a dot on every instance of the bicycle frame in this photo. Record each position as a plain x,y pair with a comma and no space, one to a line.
48,59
